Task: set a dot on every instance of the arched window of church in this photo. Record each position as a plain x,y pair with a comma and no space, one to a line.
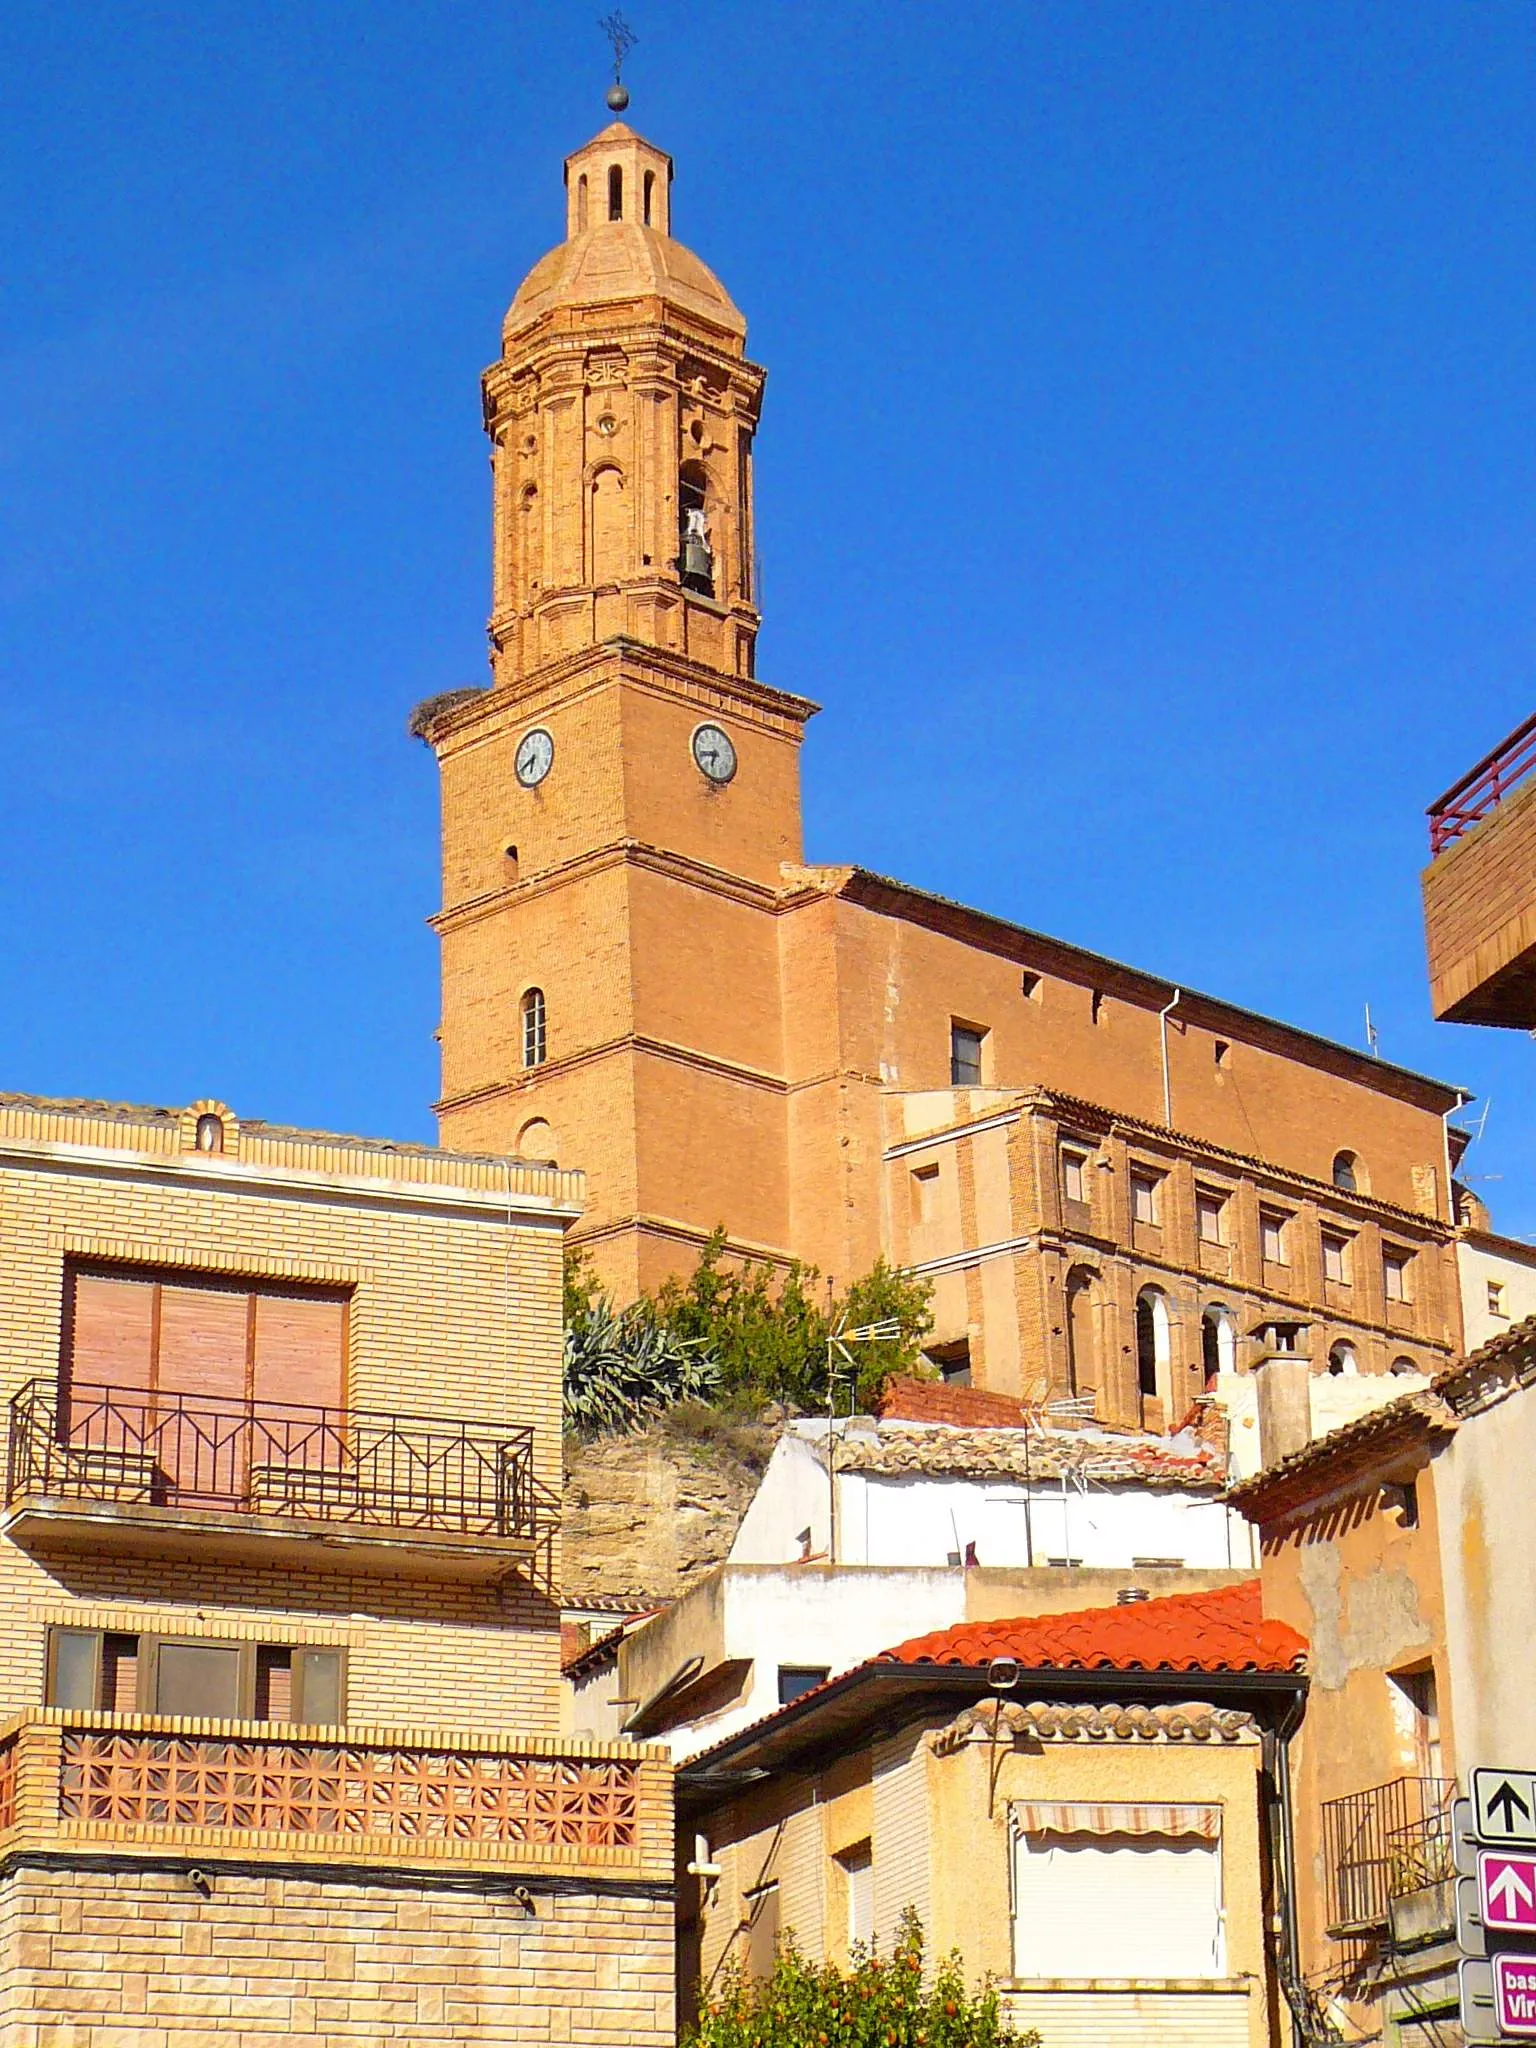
1082,1333
695,556
648,192
1154,1348
1342,1362
535,1036
1347,1174
615,192
210,1133
610,528
532,535
1218,1345
581,203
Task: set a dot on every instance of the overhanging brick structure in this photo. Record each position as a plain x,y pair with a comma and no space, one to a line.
1480,890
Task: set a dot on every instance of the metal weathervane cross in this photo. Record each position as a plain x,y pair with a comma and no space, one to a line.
623,39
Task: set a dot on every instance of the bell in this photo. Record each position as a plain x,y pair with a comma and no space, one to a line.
698,563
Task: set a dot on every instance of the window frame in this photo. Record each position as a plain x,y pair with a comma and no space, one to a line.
1274,1226
533,1012
1342,1243
1148,1179
149,1643
1074,1157
959,1029
1395,1261
1211,1202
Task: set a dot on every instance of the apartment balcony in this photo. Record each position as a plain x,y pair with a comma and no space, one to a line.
1480,890
104,1468
1381,1846
83,1785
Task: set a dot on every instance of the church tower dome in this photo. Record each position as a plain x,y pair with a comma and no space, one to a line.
622,410
618,244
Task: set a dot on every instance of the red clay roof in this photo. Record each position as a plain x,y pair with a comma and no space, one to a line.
1220,1631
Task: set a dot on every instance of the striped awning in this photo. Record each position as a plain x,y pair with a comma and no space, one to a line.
1074,1817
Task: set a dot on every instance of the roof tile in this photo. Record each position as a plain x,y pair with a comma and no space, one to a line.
1217,1631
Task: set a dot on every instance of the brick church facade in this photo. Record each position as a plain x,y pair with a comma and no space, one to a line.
1117,1186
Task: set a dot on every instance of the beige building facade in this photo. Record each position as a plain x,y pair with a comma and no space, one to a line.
1096,1834
280,1723
642,976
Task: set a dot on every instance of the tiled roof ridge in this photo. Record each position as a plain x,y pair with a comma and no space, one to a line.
155,1116
1224,1630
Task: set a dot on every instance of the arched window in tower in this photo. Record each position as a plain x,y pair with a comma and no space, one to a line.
581,204
1153,1348
1218,1345
695,557
530,537
648,193
1346,1172
1082,1333
535,1038
615,192
610,528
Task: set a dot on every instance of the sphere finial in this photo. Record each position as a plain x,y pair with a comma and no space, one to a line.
623,39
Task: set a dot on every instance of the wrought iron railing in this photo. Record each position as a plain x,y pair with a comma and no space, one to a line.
1381,1845
338,1465
1483,788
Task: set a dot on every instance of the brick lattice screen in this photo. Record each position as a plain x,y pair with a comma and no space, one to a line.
127,1780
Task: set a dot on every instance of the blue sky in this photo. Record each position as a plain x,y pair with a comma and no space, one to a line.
1145,485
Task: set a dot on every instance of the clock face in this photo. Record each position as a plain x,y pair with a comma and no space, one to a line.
535,757
714,753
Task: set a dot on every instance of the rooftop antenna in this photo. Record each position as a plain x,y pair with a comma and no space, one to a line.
623,39
1372,1041
887,1331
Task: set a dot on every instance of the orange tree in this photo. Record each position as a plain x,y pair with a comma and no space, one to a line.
876,2002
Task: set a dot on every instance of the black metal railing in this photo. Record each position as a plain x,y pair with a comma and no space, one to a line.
1381,1845
177,1450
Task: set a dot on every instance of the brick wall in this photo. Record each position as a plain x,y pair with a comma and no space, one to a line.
138,1959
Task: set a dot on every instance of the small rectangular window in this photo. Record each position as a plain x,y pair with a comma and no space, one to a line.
1146,1196
1223,1052
1074,1175
965,1056
1032,985
858,1872
925,1194
1210,1216
74,1679
795,1679
1394,1267
319,1676
760,1910
1272,1237
1335,1258
1496,1297
1096,1006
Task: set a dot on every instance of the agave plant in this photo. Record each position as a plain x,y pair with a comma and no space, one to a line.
622,1367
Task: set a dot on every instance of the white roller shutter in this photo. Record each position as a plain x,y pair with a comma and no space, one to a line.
1117,1906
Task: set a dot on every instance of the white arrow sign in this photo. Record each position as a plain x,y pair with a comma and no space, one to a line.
1510,1890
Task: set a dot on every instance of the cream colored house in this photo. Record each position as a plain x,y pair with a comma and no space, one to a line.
1079,1803
280,1746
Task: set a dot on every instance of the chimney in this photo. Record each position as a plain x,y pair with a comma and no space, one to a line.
1284,1387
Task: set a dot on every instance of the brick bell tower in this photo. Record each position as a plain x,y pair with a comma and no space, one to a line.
618,804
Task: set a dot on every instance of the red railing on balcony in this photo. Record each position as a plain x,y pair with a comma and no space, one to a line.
1483,788
1382,1844
351,1465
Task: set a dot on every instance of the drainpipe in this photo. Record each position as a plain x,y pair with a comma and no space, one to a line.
1162,1023
1306,2031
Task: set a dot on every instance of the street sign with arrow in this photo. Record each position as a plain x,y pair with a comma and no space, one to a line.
1506,1888
1505,1805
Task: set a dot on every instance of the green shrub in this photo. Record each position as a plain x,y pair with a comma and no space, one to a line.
622,1368
876,2002
768,1330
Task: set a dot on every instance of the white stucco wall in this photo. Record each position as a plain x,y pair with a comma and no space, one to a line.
928,1521
1336,1399
1513,1271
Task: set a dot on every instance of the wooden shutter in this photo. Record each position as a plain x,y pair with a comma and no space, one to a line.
109,1331
301,1341
202,1339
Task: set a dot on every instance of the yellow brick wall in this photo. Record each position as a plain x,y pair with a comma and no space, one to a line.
455,1313
137,1959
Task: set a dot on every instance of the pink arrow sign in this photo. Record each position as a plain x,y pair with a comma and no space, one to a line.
1507,1890
1514,1994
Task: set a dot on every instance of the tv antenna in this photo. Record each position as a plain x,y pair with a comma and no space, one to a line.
623,39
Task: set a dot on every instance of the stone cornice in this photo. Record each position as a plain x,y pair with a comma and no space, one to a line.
625,1042
601,859
1054,1721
